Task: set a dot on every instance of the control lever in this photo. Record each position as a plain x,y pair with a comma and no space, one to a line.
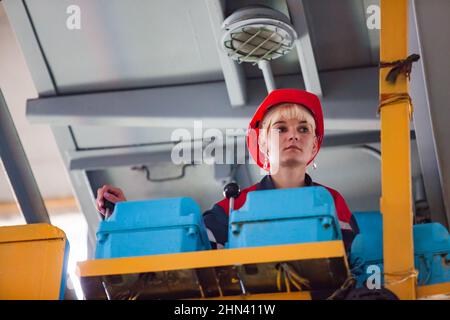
231,191
109,207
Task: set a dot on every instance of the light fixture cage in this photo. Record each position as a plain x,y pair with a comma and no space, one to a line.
253,34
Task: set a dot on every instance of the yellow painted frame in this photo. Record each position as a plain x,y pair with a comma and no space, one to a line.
395,202
32,259
216,258
211,258
433,290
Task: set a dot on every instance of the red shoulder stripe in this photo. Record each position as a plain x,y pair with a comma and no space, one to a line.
343,212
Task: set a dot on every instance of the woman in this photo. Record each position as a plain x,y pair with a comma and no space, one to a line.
284,137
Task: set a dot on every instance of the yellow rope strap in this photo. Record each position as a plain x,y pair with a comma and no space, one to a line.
400,276
398,67
393,98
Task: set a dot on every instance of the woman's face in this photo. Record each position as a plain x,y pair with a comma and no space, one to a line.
291,142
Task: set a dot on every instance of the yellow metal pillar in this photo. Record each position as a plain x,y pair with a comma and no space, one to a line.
396,197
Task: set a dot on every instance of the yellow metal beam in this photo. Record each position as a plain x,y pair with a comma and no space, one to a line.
211,258
433,290
395,201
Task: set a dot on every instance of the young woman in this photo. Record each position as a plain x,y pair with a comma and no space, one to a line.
284,136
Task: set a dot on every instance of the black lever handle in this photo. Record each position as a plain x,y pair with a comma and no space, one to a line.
109,206
231,190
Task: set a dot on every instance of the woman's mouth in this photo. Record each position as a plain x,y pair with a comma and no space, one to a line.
293,148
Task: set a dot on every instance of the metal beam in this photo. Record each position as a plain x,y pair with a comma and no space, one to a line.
429,107
354,138
81,185
350,104
233,73
264,66
129,156
396,194
19,171
116,157
304,47
27,38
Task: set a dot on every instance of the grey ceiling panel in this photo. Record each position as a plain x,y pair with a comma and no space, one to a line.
339,34
125,44
156,43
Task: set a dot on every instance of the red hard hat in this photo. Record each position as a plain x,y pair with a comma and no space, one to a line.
308,100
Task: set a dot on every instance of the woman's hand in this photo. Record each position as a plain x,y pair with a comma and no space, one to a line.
111,194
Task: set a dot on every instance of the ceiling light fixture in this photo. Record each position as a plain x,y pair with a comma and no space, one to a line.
258,34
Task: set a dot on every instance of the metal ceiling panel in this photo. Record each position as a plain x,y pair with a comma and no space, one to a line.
126,44
339,34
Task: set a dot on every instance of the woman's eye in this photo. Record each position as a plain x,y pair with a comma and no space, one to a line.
281,129
303,129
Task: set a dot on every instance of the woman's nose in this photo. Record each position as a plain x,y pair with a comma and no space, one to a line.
293,135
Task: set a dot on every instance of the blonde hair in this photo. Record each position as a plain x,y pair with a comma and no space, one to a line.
285,111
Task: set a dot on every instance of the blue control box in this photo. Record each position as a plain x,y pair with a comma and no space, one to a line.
139,228
284,216
431,250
